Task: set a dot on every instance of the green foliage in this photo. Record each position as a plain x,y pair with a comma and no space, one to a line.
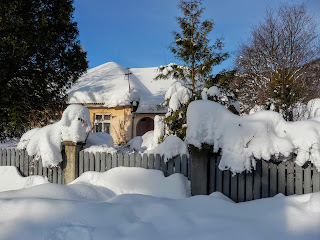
192,47
39,60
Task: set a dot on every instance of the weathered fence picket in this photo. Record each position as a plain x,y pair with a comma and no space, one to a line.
267,180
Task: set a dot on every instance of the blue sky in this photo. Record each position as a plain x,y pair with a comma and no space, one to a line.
137,33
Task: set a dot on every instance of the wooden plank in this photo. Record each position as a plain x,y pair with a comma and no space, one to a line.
132,160
103,161
91,162
219,177
55,175
157,162
26,165
120,160
273,179
226,183
257,176
164,166
189,167
170,166
40,167
8,162
31,168
184,165
21,158
307,181
60,175
145,160
86,162
17,161
114,160
13,157
177,164
45,172
282,178
97,163
315,180
241,187
290,177
249,186
234,188
50,174
81,162
265,179
138,160
1,157
108,161
298,179
212,174
35,167
126,160
151,161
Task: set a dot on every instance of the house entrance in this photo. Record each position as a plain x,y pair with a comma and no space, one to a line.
144,125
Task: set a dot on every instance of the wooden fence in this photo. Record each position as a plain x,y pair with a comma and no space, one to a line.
28,166
267,180
101,162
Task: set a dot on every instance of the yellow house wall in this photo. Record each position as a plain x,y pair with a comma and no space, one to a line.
120,132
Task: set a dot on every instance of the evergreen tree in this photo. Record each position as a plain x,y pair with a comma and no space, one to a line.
192,47
39,60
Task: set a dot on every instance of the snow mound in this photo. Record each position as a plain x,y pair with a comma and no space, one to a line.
45,142
242,140
25,139
315,202
130,180
100,142
172,146
135,143
11,179
313,105
221,196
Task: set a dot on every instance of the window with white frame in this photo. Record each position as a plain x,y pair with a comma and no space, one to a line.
102,122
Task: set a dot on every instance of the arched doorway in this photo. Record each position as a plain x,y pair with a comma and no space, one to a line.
144,125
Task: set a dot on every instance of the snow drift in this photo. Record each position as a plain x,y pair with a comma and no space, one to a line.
11,179
245,139
131,180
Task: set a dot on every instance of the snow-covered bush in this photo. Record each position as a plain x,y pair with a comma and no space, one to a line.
245,139
45,142
172,146
100,142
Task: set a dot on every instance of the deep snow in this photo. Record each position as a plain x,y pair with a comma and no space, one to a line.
85,211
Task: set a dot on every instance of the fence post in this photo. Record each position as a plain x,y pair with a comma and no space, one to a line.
71,160
199,169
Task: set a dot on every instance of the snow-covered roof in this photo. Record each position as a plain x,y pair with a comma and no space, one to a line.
108,84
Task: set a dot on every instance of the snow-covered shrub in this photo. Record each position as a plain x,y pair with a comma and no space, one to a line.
100,142
172,146
242,140
135,143
45,142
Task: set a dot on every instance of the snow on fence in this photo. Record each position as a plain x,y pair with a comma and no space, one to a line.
267,180
27,166
101,162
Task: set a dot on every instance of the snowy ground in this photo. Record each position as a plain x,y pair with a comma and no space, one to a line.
87,209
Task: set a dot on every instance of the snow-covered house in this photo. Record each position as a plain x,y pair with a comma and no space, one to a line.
122,102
